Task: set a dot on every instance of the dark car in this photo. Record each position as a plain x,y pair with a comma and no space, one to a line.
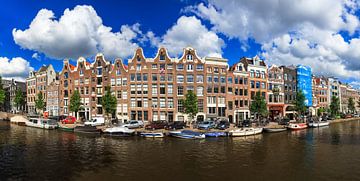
223,125
57,118
284,121
244,123
156,125
176,125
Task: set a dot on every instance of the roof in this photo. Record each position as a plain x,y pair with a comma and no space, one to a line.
72,67
43,68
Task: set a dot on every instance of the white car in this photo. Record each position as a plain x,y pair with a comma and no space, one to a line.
133,124
96,121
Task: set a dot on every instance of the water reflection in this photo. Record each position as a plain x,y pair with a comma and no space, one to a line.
327,153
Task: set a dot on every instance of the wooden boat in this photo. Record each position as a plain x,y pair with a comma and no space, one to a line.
119,131
274,130
245,131
187,134
319,124
215,134
152,134
297,126
87,129
41,123
67,127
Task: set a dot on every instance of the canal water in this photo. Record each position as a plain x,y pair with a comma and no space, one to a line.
329,153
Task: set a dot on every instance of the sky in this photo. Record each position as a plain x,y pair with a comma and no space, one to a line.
323,34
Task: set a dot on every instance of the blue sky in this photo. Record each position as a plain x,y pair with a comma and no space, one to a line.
323,34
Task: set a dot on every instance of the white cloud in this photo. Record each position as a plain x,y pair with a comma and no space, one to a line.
17,68
35,56
189,31
78,32
302,32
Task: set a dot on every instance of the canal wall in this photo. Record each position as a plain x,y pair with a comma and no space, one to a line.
344,120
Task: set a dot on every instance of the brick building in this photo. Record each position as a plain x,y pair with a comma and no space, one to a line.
275,92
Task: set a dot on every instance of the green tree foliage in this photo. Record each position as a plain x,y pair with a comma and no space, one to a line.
2,92
321,111
300,106
258,106
191,104
19,99
334,106
39,102
109,103
75,102
351,104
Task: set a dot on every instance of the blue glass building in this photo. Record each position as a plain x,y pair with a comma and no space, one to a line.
304,83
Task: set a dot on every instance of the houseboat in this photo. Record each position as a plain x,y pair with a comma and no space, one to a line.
41,123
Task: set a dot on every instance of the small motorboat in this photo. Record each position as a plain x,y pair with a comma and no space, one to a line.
152,134
119,131
274,130
215,134
297,126
319,124
87,129
42,123
245,131
67,127
187,134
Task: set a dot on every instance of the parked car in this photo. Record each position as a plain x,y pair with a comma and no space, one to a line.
69,120
206,125
133,124
356,115
156,125
223,125
348,116
57,118
284,121
96,121
244,123
176,125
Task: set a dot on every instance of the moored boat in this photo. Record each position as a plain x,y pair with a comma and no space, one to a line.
119,131
187,134
87,129
67,127
245,131
215,134
319,124
41,123
152,134
297,126
274,130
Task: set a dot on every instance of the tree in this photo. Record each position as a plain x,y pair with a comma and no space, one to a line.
109,103
300,106
320,111
351,104
334,106
75,102
2,92
19,99
258,106
191,104
39,102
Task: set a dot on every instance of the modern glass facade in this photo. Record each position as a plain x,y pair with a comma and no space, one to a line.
304,83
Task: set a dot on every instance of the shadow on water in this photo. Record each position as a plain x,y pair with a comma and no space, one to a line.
328,153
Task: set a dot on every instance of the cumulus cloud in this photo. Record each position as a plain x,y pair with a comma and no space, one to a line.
306,32
17,68
35,56
189,31
78,32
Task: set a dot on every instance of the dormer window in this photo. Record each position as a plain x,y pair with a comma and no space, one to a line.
81,72
99,63
66,75
162,56
239,68
189,56
138,58
118,64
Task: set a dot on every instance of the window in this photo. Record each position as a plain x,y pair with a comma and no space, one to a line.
138,67
138,77
154,102
251,73
222,80
209,89
257,74
200,91
162,77
169,77
180,67
154,77
118,72
262,74
216,79
190,78
162,103
99,71
211,100
124,94
132,89
132,102
230,80
257,84
171,103
216,70
252,84
200,67
154,89
180,105
180,90
200,78
190,67
211,110
230,105
162,89
216,89
118,81
132,77
180,78
145,77
124,81
139,103
170,89
112,82
81,72
118,95
263,86
209,78
154,66
162,56
170,66
200,105
222,89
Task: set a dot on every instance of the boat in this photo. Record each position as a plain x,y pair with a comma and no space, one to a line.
187,134
152,134
319,124
119,131
215,134
297,126
67,127
87,129
41,123
274,130
245,131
